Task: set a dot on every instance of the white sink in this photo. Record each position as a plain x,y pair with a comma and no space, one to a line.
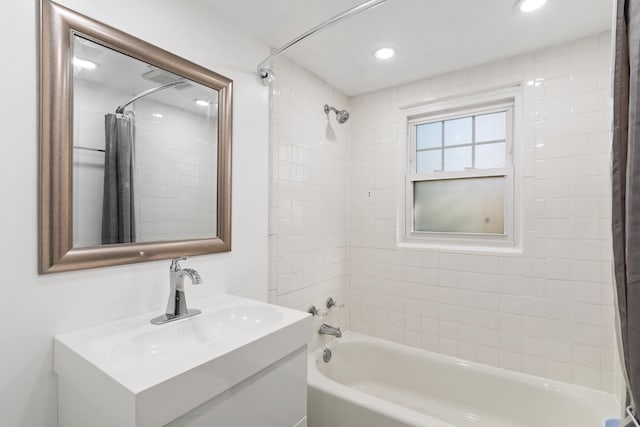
150,374
169,343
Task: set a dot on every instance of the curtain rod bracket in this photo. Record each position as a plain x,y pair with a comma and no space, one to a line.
266,73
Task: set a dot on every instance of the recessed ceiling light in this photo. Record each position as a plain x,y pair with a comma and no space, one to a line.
83,63
202,102
530,5
157,115
384,53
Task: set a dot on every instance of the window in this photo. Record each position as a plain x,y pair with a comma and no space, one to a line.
459,172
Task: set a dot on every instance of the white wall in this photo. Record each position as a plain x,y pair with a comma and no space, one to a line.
547,311
308,195
34,308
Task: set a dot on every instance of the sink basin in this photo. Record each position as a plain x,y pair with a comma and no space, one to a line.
133,368
165,345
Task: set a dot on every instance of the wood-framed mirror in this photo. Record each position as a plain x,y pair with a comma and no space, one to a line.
135,149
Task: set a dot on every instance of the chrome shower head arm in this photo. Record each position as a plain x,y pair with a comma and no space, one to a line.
341,115
327,109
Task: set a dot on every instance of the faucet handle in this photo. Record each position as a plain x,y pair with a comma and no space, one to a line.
175,266
333,303
315,312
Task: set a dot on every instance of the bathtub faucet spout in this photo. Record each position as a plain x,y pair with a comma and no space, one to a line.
330,330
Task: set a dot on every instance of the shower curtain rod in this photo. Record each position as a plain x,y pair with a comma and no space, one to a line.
266,73
80,147
120,109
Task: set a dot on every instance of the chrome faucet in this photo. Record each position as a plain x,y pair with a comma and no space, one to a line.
330,330
177,305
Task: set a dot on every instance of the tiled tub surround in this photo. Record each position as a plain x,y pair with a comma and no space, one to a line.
308,195
178,172
547,311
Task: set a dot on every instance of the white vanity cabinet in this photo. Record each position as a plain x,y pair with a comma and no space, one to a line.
240,363
276,396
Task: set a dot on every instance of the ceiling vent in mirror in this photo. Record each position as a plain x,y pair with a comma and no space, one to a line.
163,77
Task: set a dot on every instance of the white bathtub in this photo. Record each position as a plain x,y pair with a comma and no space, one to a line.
374,383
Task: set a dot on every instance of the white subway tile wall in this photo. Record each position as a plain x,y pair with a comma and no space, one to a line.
308,196
177,173
548,311
333,200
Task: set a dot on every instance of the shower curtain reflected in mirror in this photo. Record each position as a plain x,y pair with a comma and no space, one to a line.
118,222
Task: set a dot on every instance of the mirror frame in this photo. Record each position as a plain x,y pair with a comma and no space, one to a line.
56,251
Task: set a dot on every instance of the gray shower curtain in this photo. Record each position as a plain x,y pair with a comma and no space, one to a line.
118,223
626,190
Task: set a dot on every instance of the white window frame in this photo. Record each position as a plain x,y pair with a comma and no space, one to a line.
502,99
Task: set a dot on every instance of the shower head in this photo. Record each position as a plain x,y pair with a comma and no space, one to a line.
341,115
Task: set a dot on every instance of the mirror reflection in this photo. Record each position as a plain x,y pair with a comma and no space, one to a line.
145,144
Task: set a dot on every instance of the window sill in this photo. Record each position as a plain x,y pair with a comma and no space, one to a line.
459,247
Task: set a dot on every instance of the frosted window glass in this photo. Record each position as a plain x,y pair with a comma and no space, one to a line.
471,205
491,127
429,135
429,161
490,155
456,159
457,131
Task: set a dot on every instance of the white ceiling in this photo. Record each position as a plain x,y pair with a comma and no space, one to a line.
430,36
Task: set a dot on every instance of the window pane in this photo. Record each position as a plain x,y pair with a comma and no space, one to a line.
471,205
491,127
457,131
456,159
429,161
429,135
490,155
